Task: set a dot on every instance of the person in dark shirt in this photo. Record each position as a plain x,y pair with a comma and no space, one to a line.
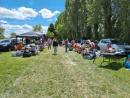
55,46
28,41
66,45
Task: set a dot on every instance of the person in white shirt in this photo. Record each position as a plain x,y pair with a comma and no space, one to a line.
49,42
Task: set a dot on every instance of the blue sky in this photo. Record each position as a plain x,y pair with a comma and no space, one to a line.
20,15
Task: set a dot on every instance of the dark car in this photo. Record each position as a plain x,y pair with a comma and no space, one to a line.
7,44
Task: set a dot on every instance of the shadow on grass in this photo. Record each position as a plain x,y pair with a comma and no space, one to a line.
1,52
113,66
54,54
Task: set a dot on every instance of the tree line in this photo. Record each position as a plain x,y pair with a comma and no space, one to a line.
95,19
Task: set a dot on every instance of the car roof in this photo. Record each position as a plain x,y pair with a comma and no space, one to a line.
4,39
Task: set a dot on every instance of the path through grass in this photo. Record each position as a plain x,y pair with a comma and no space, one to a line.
66,75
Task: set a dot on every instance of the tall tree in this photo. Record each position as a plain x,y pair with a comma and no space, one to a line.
107,8
95,19
51,29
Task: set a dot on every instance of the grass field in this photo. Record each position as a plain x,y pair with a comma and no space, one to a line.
66,75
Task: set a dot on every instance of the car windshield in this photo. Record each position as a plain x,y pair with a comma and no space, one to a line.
4,41
116,42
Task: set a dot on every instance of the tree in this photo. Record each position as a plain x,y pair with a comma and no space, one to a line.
107,8
59,26
52,29
124,19
37,28
95,19
1,32
50,34
13,35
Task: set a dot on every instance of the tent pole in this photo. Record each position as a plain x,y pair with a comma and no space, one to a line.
16,40
22,40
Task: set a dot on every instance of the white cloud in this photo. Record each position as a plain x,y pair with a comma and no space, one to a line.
21,13
3,22
47,14
45,28
19,29
24,13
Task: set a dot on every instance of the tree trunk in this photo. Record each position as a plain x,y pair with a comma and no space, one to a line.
89,32
107,18
96,31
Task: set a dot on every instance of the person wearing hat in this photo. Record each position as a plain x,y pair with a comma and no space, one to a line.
127,62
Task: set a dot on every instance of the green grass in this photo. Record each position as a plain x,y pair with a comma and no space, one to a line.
10,69
66,75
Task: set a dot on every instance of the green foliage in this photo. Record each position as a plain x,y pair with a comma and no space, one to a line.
50,34
51,28
1,32
1,36
37,28
95,19
13,35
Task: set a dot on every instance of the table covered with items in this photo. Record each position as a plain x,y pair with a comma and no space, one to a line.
32,43
112,57
27,51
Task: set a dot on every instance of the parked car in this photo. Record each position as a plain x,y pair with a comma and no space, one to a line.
115,44
7,44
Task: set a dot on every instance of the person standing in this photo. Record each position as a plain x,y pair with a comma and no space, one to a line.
28,41
55,46
66,45
49,42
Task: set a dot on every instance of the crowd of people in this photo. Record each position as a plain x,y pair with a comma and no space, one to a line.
87,48
84,47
